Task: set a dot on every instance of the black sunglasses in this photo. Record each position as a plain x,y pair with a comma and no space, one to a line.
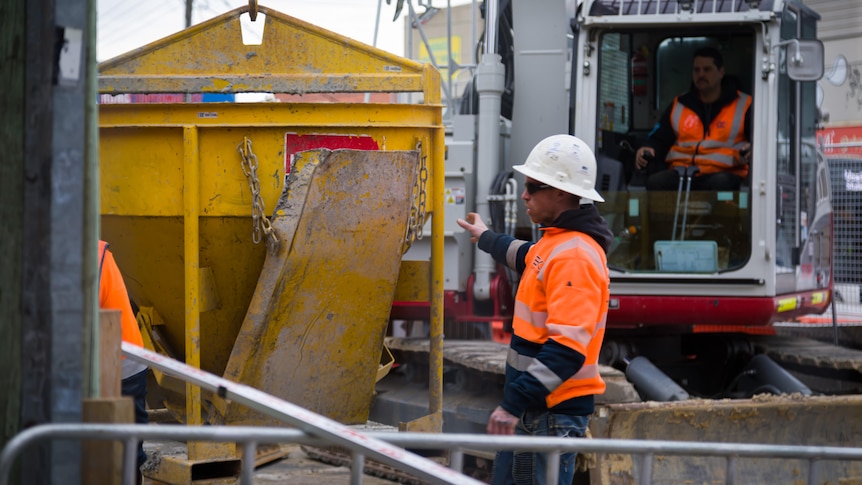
533,187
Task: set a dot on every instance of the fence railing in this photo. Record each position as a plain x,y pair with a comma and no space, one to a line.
250,437
846,181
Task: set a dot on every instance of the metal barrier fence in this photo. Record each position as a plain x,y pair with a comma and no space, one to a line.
846,181
456,444
841,323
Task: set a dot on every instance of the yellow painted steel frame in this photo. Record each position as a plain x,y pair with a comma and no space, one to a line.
152,163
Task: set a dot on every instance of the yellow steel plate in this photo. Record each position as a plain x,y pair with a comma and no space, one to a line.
314,330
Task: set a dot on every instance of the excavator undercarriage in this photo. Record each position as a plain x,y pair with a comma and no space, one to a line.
827,414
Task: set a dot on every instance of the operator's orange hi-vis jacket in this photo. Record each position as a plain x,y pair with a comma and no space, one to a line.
714,148
113,295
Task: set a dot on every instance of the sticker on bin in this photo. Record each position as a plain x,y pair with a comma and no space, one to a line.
295,142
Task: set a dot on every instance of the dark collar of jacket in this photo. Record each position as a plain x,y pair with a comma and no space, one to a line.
707,112
586,219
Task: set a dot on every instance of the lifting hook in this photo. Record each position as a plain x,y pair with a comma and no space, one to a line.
252,10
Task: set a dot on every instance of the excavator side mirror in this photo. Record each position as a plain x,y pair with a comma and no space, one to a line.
804,59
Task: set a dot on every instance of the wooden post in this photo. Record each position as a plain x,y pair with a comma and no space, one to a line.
102,461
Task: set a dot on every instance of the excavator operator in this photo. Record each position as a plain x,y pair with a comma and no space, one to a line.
705,132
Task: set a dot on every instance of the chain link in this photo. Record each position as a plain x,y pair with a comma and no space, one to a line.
416,222
260,223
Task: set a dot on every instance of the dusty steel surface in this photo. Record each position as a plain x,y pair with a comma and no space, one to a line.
314,329
293,57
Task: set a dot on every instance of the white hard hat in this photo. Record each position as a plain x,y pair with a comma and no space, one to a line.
564,162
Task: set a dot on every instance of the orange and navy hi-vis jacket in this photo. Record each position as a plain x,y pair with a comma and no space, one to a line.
559,319
714,148
113,295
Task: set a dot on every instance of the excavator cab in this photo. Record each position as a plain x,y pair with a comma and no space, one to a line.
679,230
690,264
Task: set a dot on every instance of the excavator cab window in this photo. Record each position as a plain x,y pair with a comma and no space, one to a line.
679,231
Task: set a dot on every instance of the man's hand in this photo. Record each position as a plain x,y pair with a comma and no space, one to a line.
474,225
502,422
745,154
641,156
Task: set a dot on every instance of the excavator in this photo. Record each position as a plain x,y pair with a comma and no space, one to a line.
698,278
278,244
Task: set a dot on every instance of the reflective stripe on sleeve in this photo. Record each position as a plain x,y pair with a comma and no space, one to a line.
573,332
517,361
543,374
512,253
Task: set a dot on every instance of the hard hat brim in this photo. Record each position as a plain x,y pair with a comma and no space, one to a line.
565,187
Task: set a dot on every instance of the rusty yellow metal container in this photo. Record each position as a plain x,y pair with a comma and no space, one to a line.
177,206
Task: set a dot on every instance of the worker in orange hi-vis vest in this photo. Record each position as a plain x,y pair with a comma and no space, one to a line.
552,372
113,295
705,132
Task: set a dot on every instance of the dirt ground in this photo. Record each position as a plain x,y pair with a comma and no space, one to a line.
296,468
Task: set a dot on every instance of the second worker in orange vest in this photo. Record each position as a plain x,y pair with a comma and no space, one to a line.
708,127
113,295
552,370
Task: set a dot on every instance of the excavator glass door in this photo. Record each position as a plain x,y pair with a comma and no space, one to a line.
802,197
675,229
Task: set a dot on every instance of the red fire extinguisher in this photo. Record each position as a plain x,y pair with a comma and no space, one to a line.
639,73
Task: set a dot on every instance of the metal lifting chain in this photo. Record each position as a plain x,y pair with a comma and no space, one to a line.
260,223
416,222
